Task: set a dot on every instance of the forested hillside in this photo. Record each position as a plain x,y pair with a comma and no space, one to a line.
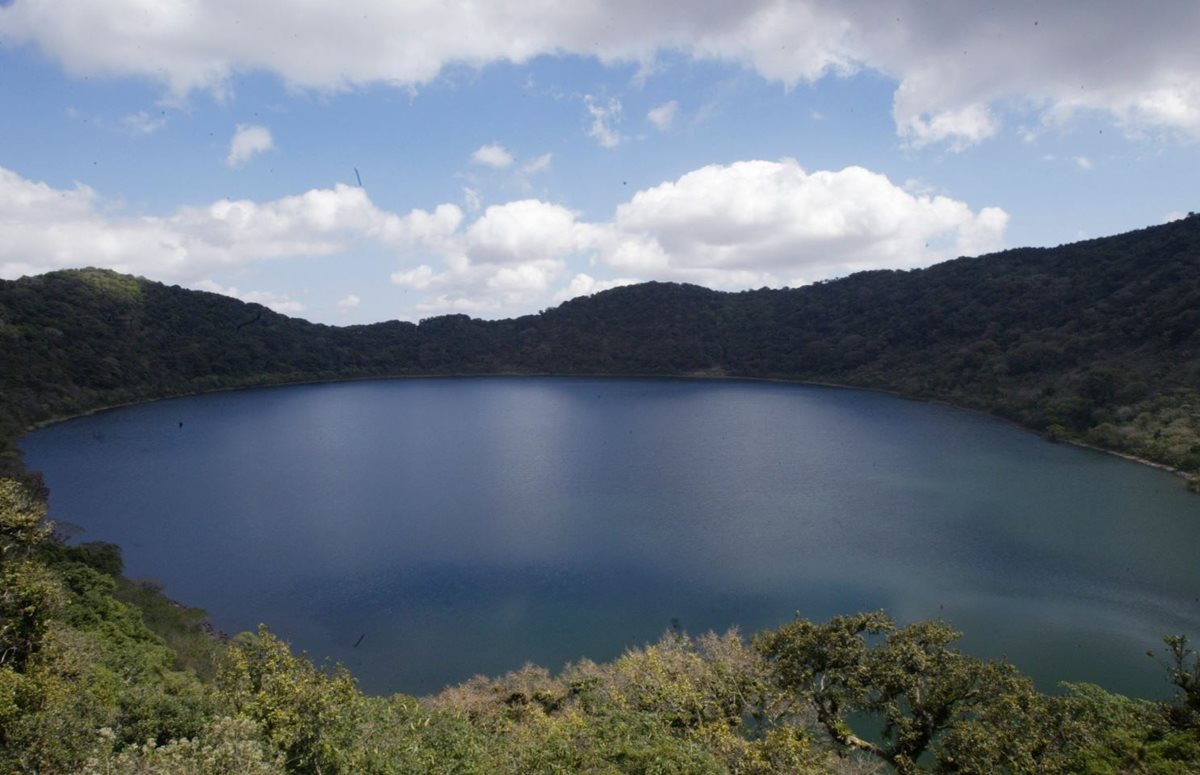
1094,341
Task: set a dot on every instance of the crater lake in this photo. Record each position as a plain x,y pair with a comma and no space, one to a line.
422,531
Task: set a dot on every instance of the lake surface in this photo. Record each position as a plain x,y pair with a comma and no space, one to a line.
464,526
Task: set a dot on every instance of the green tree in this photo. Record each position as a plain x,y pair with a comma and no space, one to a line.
29,593
1183,668
909,679
307,714
22,519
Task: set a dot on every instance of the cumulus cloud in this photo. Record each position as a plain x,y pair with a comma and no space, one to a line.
769,223
49,228
526,229
492,155
663,116
506,261
958,66
348,302
604,114
248,141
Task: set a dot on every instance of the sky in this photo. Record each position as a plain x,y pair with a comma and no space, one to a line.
371,160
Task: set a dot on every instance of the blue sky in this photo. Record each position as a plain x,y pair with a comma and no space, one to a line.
513,154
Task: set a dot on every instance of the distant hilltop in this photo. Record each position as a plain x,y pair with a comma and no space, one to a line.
1093,342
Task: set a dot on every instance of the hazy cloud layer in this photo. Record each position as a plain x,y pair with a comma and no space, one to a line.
958,65
742,225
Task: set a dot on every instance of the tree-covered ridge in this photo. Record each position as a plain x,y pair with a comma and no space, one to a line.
96,680
1094,341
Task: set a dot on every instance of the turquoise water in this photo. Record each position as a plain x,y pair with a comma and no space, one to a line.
464,526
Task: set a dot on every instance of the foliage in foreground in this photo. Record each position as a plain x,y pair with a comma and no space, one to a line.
89,682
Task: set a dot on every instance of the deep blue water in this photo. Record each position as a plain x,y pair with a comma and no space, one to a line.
467,526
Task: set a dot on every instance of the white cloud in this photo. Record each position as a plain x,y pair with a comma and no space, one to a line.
769,223
492,155
248,141
348,302
1083,162
280,303
506,262
47,228
524,230
958,65
540,164
663,116
604,115
959,128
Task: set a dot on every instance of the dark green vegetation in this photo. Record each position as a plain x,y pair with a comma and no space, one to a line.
99,678
1095,342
